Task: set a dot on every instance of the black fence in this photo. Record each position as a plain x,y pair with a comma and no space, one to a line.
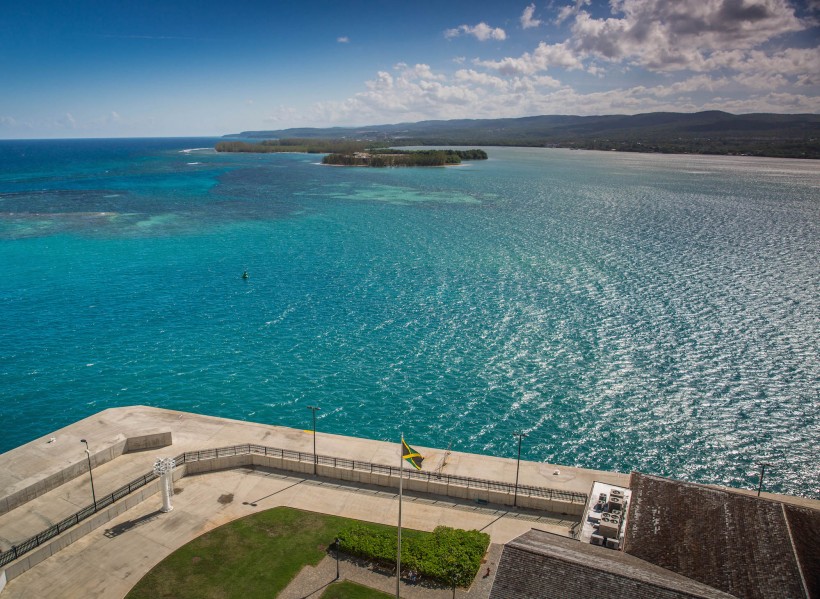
248,448
74,519
464,481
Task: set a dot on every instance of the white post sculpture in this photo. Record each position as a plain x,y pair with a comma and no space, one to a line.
164,468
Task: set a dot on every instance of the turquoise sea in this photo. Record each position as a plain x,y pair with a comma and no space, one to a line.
626,311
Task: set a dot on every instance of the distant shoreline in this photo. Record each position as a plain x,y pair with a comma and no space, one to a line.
710,133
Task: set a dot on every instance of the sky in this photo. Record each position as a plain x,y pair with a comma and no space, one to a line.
97,68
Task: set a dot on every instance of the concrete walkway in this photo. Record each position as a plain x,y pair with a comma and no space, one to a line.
107,562
27,466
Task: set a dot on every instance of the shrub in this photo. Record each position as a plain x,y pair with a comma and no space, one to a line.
442,555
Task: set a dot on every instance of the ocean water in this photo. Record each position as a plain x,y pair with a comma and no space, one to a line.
626,311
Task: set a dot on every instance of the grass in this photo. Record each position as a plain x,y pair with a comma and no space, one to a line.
351,590
255,556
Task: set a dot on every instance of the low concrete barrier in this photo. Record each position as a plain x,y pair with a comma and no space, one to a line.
46,550
572,504
238,456
34,489
147,441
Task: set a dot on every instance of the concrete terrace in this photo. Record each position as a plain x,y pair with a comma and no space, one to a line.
45,481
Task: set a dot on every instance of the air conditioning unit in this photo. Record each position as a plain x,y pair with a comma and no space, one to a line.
597,540
613,544
609,530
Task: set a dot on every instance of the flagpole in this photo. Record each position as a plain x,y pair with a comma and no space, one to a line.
398,552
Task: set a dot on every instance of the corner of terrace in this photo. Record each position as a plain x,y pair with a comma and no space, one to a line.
46,482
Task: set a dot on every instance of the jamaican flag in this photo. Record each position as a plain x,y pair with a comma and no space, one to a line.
411,455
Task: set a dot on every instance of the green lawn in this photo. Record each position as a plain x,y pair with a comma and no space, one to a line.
351,590
258,555
255,556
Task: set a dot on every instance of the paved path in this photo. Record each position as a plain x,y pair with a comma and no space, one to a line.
109,561
106,563
312,581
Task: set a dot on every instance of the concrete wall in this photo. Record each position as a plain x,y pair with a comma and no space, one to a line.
52,481
433,486
151,440
32,558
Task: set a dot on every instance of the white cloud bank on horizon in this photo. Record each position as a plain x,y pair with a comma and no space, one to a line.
700,54
739,56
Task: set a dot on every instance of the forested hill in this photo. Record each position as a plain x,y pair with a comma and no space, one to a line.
713,132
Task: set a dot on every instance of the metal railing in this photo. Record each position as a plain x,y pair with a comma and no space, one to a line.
74,519
464,481
249,448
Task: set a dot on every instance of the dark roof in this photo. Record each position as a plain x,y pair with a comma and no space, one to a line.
737,543
540,565
804,525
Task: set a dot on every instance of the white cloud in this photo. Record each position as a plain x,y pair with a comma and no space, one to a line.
681,35
572,9
780,102
482,32
527,20
384,80
419,71
685,56
343,39
791,61
762,81
699,83
7,121
471,76
541,59
545,81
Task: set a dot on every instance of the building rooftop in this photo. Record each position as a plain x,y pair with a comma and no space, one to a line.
540,565
601,505
744,545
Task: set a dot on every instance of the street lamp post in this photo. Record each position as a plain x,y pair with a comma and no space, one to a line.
314,408
337,558
760,482
91,474
517,468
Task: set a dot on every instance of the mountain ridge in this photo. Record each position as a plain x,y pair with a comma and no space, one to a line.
706,132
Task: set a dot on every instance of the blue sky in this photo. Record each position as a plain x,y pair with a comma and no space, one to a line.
111,69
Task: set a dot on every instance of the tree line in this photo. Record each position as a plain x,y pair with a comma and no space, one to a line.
309,146
388,157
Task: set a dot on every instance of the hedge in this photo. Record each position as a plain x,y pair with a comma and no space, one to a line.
442,555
